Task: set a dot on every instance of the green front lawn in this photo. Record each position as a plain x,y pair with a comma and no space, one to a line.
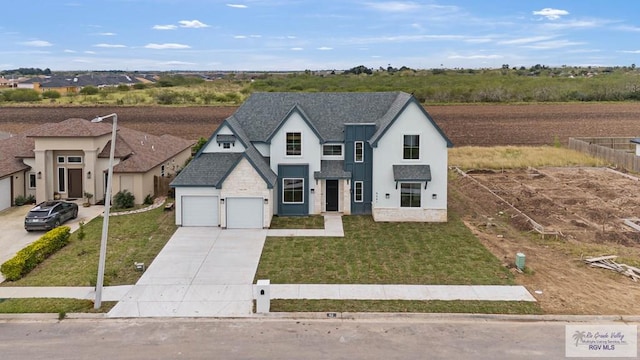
132,238
384,253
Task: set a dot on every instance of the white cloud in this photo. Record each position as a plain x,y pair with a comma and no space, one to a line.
297,49
630,51
68,51
475,57
90,52
167,46
192,24
237,6
164,27
177,63
240,37
526,40
325,48
628,28
37,43
394,6
112,46
107,34
556,44
551,14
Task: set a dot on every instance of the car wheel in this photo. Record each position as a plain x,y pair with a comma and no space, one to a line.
75,214
56,223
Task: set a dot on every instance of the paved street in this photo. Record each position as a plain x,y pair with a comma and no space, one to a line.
429,337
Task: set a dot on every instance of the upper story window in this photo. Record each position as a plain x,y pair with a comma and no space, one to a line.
294,144
358,153
226,145
61,159
332,150
411,147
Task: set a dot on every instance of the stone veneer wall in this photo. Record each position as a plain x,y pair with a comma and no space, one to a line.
409,215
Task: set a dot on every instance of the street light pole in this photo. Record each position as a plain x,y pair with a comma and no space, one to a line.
107,206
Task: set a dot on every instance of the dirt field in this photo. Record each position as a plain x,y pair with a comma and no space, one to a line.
483,125
584,205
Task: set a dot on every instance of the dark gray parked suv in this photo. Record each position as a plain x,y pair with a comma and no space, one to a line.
50,214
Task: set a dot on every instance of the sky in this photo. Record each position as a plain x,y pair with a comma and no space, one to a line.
282,35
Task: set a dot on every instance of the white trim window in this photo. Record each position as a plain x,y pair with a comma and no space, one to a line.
411,147
62,180
410,195
61,159
293,191
74,159
294,143
358,151
332,150
32,180
358,191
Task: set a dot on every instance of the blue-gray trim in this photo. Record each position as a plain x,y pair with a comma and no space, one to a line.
393,114
293,172
360,171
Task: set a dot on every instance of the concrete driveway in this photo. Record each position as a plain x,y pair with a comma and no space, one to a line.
13,236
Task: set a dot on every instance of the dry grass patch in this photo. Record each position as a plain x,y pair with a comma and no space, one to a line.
518,157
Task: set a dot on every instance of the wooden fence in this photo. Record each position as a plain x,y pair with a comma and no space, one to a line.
161,185
619,150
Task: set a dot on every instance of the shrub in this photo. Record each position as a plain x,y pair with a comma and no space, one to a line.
148,200
20,200
89,90
123,87
123,200
51,94
29,257
139,86
22,95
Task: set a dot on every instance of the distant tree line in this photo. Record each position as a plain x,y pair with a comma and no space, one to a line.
26,71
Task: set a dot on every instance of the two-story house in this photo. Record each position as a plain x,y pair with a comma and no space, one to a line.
308,153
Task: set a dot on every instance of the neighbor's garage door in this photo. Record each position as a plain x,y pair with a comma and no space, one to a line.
5,193
244,213
200,211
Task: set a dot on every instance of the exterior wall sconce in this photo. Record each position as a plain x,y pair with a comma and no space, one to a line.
312,190
88,174
434,196
266,201
386,196
222,201
39,174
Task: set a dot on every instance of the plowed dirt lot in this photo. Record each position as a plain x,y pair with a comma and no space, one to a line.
585,206
483,125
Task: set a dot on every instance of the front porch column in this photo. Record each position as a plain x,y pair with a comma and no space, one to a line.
44,183
90,173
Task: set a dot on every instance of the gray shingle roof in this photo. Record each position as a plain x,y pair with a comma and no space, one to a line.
208,169
411,173
262,113
332,169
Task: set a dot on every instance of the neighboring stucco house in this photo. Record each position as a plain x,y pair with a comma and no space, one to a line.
71,157
308,153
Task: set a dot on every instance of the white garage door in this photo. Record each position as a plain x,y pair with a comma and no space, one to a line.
244,213
200,211
5,193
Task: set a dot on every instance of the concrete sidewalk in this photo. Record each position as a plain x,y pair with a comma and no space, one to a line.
109,293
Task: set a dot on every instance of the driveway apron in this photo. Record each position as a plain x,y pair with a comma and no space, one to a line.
202,271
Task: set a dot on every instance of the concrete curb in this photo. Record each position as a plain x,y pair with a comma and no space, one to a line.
346,316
